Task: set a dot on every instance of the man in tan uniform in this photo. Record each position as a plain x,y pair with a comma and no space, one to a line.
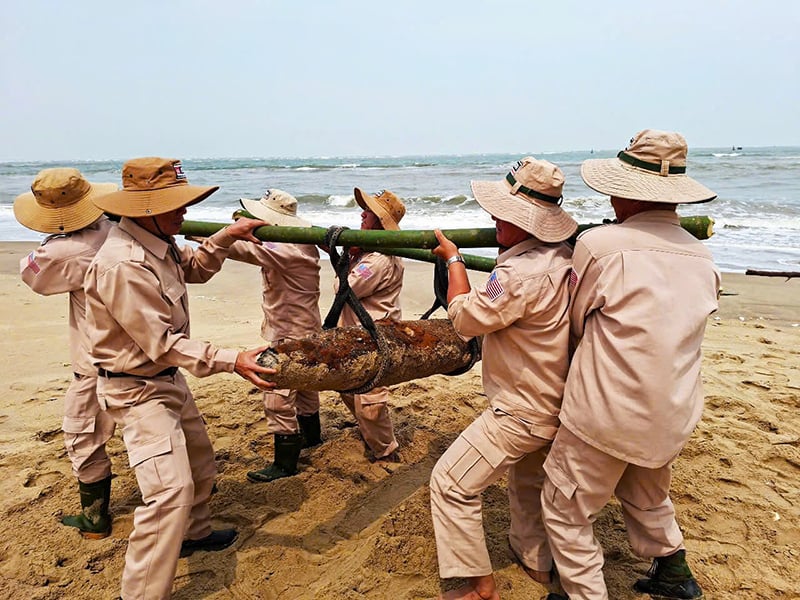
290,292
60,204
641,294
137,308
522,313
376,279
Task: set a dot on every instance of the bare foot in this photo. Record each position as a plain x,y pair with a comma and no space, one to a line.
478,588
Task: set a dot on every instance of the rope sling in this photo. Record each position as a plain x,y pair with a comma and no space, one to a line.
345,295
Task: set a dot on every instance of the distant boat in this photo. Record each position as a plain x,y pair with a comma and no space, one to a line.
735,148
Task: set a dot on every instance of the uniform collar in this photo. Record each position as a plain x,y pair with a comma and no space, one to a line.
152,243
654,216
518,249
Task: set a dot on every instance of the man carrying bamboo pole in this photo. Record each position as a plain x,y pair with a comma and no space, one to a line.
290,302
137,307
641,293
60,204
521,312
376,280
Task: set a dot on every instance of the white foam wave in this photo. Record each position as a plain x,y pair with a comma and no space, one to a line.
342,200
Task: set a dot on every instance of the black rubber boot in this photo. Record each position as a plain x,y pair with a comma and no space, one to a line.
94,520
218,539
287,453
311,429
670,578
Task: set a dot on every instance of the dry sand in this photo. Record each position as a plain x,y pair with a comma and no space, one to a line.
346,528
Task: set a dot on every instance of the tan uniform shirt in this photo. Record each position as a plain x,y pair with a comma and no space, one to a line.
58,266
290,287
138,308
522,313
642,292
376,280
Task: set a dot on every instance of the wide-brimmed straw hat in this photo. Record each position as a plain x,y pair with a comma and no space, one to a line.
60,201
276,207
529,197
652,169
152,186
388,207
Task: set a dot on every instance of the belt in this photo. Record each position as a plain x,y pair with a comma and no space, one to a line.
168,372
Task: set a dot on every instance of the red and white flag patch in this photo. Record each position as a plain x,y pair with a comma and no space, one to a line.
32,264
494,289
573,278
363,271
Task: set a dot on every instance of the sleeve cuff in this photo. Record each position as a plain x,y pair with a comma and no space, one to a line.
226,358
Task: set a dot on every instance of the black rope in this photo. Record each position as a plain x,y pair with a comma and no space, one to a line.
440,284
439,287
345,295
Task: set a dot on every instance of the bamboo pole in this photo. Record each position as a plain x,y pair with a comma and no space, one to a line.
414,244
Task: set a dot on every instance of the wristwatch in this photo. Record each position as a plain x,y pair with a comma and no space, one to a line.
454,259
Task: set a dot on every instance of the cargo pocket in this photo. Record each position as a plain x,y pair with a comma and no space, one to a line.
155,466
78,425
471,468
563,486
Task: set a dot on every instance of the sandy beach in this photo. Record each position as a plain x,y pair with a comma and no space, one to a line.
345,528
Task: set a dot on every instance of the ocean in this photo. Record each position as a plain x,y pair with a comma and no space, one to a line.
756,214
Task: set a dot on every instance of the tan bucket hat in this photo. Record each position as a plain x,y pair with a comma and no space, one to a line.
60,201
529,197
276,207
152,186
388,207
652,169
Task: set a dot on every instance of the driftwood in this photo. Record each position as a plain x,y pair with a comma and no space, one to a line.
347,358
787,274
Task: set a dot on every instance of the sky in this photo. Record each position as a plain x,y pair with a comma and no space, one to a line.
113,80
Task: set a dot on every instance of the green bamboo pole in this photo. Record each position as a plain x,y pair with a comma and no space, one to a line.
414,244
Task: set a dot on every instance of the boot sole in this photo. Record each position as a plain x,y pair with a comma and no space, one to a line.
90,535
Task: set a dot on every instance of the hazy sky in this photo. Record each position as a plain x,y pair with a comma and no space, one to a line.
93,80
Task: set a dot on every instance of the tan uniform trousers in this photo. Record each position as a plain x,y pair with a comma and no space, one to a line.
374,421
86,430
494,443
282,407
580,481
168,447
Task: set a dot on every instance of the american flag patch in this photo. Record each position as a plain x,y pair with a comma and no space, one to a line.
494,289
32,264
363,271
573,278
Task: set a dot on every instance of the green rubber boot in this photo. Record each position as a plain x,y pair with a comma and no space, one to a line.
287,453
94,520
670,578
311,429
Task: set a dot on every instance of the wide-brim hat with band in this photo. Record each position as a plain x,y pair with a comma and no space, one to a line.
652,169
529,197
276,207
152,186
60,201
388,207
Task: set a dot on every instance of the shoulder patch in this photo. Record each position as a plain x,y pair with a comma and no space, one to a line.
32,264
363,271
494,289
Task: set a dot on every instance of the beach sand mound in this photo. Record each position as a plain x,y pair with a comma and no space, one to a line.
348,528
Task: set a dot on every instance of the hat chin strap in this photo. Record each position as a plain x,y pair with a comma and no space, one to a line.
169,239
